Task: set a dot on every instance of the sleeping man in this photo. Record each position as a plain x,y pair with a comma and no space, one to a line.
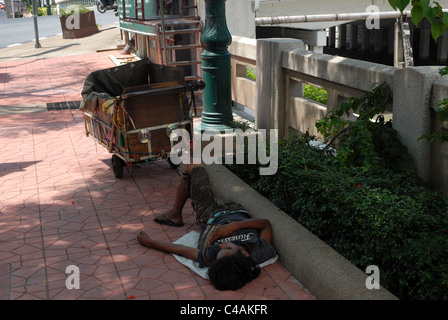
231,244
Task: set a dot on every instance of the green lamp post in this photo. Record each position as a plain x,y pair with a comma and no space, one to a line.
217,96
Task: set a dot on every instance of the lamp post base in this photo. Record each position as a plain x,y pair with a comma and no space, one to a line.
216,67
222,128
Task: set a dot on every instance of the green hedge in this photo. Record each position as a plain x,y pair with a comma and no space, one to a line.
372,217
73,9
365,200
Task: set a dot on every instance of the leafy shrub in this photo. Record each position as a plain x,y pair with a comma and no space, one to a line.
314,93
251,73
372,217
370,212
42,11
364,142
73,9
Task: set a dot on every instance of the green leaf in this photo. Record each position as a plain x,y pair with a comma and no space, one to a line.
444,71
445,18
442,114
417,14
431,13
438,29
393,4
424,3
402,4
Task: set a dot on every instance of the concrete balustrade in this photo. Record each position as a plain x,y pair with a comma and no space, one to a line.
284,65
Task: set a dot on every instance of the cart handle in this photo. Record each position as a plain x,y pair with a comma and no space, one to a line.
142,92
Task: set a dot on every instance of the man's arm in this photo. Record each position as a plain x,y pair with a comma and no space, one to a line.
262,225
168,247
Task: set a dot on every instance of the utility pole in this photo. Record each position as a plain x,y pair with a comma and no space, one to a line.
217,94
36,31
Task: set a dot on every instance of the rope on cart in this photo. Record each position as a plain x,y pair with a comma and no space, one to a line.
97,122
123,108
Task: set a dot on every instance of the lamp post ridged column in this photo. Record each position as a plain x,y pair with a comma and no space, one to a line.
217,97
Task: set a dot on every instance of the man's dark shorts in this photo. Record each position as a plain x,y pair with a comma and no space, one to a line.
204,203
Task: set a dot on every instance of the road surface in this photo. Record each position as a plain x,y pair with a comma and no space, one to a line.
21,30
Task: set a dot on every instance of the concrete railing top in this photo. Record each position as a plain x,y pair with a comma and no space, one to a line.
282,63
244,47
345,71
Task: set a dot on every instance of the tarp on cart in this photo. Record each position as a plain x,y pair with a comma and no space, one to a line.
110,83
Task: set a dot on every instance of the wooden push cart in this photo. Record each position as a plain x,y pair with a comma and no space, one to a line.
136,125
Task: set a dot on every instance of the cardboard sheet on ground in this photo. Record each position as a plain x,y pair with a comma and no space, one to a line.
191,240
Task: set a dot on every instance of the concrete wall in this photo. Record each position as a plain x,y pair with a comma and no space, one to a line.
417,92
439,152
244,56
239,15
271,89
283,66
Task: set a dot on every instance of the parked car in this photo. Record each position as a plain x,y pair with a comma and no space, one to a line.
2,5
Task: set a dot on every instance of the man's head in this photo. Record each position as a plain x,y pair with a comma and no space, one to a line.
233,268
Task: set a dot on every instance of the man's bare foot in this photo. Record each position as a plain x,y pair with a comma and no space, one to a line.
144,239
169,219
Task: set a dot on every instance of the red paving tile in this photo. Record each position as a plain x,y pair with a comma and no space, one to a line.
24,82
61,205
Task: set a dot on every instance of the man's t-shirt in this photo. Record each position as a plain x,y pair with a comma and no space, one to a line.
259,249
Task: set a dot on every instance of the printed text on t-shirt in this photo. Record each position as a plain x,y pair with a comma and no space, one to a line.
241,237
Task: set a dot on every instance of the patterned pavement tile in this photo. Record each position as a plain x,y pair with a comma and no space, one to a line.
61,206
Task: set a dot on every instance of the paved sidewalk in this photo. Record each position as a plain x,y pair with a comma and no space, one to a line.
35,83
61,205
54,73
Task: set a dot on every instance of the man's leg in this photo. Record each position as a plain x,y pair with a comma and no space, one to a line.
174,216
168,247
201,193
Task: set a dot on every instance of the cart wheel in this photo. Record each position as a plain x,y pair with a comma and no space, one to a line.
174,166
117,166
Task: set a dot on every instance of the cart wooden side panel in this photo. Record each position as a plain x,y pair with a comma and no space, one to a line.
149,110
152,108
